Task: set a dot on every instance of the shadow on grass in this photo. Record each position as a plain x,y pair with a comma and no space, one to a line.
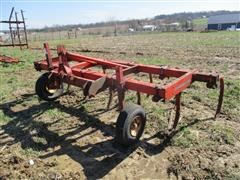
24,126
153,149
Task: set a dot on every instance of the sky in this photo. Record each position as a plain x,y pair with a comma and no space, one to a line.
40,13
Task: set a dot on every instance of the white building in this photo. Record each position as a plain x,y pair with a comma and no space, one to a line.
149,28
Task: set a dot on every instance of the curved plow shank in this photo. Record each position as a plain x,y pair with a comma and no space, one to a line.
111,93
178,106
220,98
172,124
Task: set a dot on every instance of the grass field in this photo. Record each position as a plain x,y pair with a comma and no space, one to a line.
71,138
200,21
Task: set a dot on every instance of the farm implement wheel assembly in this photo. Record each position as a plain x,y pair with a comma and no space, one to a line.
45,90
93,76
130,124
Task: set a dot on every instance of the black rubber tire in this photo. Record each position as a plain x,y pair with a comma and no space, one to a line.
41,91
125,118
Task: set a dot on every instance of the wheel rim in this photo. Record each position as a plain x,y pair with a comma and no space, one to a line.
136,126
51,91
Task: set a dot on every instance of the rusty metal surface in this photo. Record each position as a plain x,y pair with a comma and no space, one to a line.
8,59
220,99
96,86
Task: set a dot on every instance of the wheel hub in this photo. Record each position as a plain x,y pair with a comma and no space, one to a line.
136,126
50,90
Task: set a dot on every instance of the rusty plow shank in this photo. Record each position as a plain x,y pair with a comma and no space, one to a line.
220,98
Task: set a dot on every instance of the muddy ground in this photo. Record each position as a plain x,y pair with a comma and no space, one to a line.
73,138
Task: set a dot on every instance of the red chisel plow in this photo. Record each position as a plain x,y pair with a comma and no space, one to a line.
79,70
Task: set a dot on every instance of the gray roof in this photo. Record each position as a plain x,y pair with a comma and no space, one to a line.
226,18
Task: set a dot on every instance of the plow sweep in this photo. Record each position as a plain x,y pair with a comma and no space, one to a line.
91,74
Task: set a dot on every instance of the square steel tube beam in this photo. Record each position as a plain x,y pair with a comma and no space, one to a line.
130,70
164,72
81,65
178,85
107,64
201,77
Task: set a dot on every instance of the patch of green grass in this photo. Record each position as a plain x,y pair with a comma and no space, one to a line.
213,93
54,113
200,21
131,98
26,58
232,93
15,78
234,174
3,117
158,110
187,138
10,84
30,152
154,60
223,133
40,140
217,40
231,98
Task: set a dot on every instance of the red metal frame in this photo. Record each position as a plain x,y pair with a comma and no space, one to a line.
93,81
8,59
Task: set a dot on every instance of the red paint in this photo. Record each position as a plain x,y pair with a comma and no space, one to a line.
81,73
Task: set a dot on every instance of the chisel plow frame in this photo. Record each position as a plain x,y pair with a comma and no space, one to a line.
75,69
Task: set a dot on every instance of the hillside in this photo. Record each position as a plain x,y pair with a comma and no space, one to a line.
192,15
167,18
